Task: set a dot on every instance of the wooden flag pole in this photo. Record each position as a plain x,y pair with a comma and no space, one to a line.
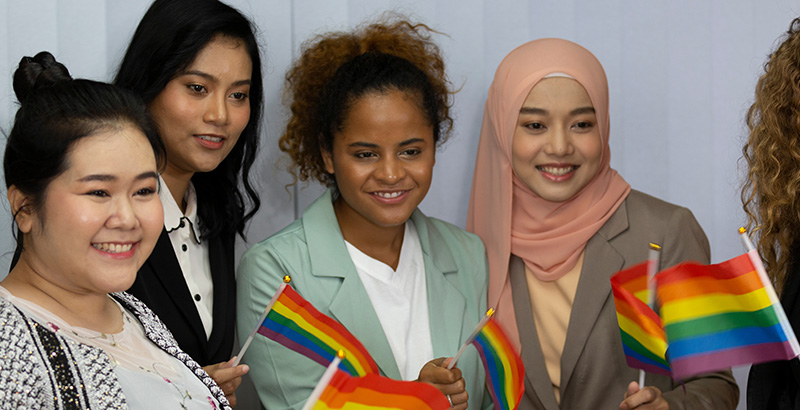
286,280
653,261
471,337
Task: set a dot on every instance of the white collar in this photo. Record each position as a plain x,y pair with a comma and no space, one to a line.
173,217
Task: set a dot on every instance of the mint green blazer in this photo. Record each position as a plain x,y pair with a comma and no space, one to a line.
312,251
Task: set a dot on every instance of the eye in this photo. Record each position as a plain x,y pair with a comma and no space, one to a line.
196,88
98,193
145,192
411,152
240,96
534,126
584,125
365,154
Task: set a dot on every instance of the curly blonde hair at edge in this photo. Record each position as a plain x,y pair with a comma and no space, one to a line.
771,192
322,55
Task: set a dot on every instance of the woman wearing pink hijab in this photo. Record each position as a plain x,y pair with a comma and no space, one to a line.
557,222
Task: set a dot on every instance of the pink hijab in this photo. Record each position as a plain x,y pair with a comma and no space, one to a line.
503,211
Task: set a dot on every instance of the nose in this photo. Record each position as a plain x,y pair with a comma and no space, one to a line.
559,142
123,215
216,110
390,170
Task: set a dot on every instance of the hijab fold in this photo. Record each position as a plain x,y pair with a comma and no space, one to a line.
510,218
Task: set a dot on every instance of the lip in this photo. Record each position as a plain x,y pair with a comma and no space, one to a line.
557,177
208,143
402,194
120,255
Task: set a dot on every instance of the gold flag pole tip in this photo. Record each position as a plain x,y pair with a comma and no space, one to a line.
655,247
340,354
287,279
742,230
490,312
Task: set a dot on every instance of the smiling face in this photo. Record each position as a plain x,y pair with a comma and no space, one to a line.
557,147
100,218
382,160
203,110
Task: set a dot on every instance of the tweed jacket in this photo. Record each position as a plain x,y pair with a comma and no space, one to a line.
594,373
313,252
43,369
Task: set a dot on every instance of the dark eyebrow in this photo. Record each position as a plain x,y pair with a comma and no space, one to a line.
362,144
583,110
210,77
109,178
532,110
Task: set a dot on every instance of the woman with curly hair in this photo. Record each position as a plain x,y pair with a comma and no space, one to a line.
771,198
368,110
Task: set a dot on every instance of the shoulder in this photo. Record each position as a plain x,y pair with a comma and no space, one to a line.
289,240
652,220
453,235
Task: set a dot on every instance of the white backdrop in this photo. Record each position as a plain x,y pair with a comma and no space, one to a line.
681,76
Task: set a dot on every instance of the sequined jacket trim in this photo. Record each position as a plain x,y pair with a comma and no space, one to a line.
41,369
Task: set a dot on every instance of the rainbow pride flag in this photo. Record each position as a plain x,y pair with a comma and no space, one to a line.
504,370
718,316
295,323
377,392
643,338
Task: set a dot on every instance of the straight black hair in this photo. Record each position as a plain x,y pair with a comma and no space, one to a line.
168,39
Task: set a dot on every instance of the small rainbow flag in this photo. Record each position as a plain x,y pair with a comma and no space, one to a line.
643,338
718,316
504,370
293,322
377,392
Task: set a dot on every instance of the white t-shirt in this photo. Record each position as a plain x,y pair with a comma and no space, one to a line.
400,300
184,234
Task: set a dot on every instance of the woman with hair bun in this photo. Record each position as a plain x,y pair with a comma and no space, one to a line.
81,167
368,110
771,198
196,64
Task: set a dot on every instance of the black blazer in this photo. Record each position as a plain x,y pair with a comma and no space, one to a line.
160,284
776,385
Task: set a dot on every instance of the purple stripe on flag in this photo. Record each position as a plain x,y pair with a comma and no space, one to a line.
638,364
702,363
291,344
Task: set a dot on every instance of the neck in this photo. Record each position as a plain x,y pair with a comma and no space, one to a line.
95,311
178,183
379,242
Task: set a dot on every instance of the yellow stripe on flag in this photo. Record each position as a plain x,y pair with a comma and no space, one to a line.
713,304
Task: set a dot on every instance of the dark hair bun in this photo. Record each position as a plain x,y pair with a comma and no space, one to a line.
39,71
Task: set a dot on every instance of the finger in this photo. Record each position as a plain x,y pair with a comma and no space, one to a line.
459,386
231,399
643,396
230,387
459,398
633,387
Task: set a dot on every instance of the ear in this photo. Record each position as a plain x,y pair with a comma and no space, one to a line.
327,157
20,209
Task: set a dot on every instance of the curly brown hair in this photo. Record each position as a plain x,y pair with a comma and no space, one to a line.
771,192
319,99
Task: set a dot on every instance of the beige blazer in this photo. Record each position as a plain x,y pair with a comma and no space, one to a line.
594,374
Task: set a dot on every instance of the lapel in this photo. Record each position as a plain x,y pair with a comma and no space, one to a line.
601,260
350,305
165,267
441,276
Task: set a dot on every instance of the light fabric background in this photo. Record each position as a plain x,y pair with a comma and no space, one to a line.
681,76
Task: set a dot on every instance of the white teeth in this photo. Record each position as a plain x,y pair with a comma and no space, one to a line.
558,171
112,247
209,138
389,195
